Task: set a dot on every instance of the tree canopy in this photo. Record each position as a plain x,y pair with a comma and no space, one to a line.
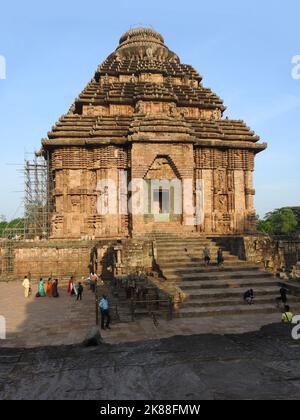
7,228
284,221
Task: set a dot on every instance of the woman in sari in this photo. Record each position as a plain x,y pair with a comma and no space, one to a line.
55,293
49,288
42,292
71,286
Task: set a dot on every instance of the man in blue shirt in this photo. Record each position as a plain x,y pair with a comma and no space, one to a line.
104,308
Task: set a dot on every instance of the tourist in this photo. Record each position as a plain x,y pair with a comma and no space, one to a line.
283,293
93,281
49,287
249,297
55,293
79,291
105,316
27,287
41,288
220,258
71,290
206,255
287,316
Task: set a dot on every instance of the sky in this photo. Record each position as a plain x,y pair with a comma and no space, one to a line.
243,50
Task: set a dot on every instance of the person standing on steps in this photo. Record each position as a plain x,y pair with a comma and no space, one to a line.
283,293
220,257
105,316
79,291
206,255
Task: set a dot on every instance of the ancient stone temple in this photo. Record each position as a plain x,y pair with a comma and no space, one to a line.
145,148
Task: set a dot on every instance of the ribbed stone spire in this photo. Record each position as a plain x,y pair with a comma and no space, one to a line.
142,43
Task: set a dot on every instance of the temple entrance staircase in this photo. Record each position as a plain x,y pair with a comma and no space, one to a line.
213,290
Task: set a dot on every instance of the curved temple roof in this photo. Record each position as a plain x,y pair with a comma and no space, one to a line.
127,78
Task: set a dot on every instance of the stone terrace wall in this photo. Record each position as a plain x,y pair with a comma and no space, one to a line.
271,252
47,258
132,255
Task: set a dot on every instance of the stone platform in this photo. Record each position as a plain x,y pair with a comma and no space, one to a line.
258,365
44,321
51,322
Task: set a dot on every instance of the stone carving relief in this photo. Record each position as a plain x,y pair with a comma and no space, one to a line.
222,203
139,109
161,169
220,181
173,110
75,203
57,225
103,201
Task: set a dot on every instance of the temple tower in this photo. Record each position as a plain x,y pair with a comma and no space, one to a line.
145,148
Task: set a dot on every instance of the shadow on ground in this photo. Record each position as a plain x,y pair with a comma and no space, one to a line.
256,365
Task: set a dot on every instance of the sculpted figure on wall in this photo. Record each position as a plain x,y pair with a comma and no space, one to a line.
173,110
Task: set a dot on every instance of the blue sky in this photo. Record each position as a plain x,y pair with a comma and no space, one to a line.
243,50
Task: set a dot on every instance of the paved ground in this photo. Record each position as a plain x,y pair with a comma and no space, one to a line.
44,322
256,365
213,358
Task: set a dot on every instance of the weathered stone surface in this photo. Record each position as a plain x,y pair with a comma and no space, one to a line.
258,365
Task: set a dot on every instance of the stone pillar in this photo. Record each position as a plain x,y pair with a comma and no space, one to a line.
240,202
249,190
207,177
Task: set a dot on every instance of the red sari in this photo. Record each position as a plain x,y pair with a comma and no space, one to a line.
49,288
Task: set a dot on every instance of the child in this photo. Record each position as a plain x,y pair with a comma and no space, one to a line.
79,291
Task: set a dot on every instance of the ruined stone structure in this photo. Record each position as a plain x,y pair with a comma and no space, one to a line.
146,132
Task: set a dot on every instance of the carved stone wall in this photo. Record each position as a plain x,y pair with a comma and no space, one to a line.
227,176
86,182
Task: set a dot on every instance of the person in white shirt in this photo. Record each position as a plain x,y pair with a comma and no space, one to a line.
27,287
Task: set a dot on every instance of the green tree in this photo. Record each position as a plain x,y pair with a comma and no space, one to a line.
15,226
279,222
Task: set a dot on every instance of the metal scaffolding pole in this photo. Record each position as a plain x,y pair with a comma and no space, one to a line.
38,207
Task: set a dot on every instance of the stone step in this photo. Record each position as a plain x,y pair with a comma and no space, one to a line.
191,266
220,293
229,278
227,310
185,242
195,272
187,256
195,258
237,300
245,283
191,247
193,252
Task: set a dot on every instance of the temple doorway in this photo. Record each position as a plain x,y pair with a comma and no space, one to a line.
161,204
